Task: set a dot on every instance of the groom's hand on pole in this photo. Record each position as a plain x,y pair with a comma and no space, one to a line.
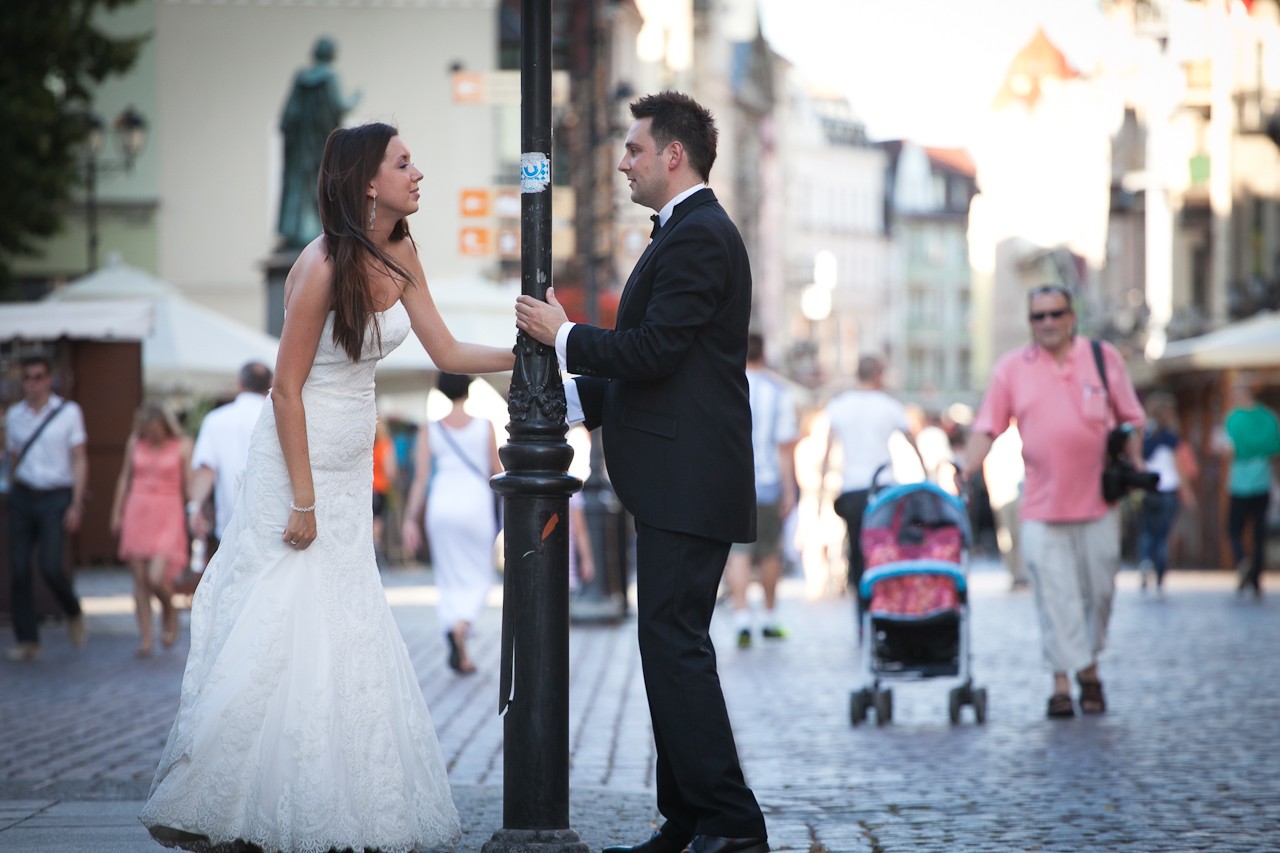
540,320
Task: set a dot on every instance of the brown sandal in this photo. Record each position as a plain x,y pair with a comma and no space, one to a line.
1091,699
1060,705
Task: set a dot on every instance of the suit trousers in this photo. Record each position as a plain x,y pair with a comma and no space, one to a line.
700,786
35,521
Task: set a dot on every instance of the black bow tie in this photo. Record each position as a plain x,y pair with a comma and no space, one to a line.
657,224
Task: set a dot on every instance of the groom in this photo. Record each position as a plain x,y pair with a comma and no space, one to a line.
668,386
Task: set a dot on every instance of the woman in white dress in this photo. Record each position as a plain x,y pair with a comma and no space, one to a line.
456,456
301,725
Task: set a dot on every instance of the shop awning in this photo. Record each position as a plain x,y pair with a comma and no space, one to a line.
85,321
1249,344
189,348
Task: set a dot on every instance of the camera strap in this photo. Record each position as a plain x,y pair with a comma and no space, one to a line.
1102,367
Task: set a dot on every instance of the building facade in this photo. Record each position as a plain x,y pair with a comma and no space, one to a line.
928,191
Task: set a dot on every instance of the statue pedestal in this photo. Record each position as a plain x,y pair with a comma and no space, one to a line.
277,269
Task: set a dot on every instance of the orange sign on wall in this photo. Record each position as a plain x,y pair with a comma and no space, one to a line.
468,87
473,202
475,242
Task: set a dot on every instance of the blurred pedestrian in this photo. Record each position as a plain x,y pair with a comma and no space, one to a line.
1253,442
222,450
667,387
385,474
1159,508
819,532
404,435
773,438
582,563
147,517
45,437
934,445
301,723
1064,411
862,422
1003,473
456,456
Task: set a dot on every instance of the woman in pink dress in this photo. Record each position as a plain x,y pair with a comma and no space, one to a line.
149,518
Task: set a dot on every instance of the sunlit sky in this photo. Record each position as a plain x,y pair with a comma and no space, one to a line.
919,70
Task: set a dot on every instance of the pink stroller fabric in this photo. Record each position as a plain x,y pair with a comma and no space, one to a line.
916,596
913,594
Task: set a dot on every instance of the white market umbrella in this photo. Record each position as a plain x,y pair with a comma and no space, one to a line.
1250,343
93,321
191,349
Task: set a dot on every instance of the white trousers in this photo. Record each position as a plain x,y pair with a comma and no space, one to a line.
1072,567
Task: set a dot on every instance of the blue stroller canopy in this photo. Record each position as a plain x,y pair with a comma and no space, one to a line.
924,505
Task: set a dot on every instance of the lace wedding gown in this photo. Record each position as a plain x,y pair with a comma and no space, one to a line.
301,725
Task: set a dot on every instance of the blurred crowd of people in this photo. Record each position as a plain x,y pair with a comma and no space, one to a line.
174,496
818,462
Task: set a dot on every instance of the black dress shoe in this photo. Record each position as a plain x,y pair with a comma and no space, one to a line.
657,843
716,844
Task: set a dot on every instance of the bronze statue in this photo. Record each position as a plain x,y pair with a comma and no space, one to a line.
314,108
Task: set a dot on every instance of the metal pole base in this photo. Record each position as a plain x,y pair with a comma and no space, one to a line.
535,841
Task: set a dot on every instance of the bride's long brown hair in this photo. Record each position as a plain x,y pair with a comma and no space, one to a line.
352,157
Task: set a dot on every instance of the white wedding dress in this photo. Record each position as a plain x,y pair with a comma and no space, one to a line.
302,726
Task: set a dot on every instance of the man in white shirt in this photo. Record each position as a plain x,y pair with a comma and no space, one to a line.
222,451
46,439
773,437
863,420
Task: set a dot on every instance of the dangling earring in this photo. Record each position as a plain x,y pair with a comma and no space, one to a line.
373,211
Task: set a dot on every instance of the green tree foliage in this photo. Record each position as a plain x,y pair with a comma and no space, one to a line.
51,57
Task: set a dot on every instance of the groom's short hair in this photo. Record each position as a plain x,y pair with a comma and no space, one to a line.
677,117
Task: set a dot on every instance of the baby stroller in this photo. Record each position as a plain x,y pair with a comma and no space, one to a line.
914,597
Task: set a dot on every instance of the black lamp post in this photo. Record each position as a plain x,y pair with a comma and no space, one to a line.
130,130
534,681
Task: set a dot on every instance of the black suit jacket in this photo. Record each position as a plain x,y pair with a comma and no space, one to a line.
668,384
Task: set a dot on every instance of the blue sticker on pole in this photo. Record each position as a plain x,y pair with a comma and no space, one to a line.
535,172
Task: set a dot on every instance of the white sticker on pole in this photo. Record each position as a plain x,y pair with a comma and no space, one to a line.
535,172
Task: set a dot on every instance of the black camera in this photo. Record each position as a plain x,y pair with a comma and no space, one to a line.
1119,477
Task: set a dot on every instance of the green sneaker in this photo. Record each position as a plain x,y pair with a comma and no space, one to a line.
773,632
744,639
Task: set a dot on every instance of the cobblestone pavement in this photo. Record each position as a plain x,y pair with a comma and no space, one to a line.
1185,759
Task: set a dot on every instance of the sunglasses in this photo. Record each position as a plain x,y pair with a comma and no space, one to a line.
34,377
1055,314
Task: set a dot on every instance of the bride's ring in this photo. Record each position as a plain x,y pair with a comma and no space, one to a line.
293,541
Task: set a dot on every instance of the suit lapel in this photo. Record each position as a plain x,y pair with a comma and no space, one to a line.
681,210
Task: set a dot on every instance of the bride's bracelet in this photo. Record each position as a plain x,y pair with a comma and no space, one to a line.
297,508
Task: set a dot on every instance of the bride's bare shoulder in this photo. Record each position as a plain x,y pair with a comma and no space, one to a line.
312,270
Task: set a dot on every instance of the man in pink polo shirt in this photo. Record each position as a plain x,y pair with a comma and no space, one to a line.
1070,536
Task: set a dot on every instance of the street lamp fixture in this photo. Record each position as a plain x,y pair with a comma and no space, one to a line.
130,131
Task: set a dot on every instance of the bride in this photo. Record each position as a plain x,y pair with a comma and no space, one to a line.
301,725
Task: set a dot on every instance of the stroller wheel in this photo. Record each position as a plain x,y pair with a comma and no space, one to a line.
980,704
858,703
884,707
955,701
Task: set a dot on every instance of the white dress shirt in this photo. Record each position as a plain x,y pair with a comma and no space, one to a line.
47,464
